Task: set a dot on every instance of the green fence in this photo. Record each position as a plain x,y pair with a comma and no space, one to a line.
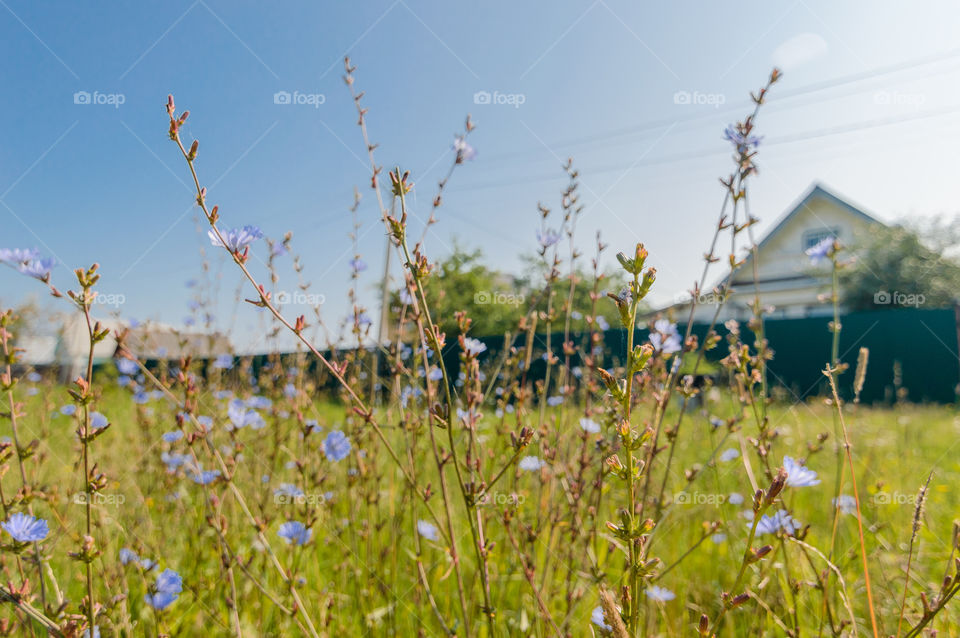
910,349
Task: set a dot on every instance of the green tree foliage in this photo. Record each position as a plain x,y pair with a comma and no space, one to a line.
496,301
904,261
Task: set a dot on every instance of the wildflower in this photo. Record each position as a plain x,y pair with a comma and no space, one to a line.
173,460
735,498
741,141
547,237
18,256
258,402
68,410
821,250
336,446
846,504
172,437
165,590
473,347
223,362
428,530
716,422
128,556
255,421
718,538
779,521
405,297
597,618
602,323
659,594
465,152
665,338
98,421
126,366
205,422
237,413
530,464
147,564
201,476
290,391
589,426
408,393
363,319
358,265
554,401
729,454
288,491
435,374
799,475
38,268
236,238
295,532
25,528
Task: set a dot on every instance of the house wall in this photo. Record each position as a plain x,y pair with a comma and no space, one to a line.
782,255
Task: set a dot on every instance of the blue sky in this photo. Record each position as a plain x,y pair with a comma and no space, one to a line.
868,105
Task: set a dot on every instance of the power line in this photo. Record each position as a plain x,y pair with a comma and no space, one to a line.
668,159
737,108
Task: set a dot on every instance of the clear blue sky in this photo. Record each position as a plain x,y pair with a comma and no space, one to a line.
99,182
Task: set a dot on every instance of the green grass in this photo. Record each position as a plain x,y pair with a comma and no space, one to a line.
358,576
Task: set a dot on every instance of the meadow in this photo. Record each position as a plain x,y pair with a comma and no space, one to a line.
625,497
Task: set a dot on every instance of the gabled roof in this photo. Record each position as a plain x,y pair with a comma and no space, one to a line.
816,190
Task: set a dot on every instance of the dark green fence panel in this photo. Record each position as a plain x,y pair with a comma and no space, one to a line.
912,349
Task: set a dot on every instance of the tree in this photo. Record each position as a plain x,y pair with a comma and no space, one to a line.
898,266
496,301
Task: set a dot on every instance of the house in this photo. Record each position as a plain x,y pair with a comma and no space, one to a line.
788,284
144,341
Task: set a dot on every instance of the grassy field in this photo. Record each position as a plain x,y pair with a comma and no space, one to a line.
360,572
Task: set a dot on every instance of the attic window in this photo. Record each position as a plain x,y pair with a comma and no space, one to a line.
813,237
